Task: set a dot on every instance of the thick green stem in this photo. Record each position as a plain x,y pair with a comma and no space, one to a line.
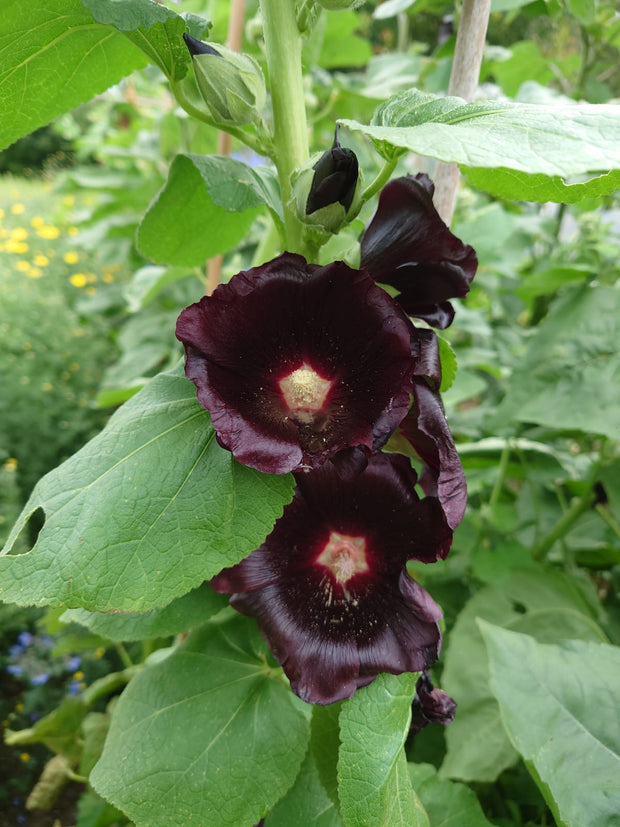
578,507
290,130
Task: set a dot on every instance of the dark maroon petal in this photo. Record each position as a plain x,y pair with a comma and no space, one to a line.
408,246
296,362
329,587
428,362
335,178
430,705
426,429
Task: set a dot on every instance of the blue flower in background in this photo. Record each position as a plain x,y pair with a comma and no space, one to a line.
14,669
74,663
39,680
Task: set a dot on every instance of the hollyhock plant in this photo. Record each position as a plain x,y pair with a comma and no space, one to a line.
408,246
329,587
297,362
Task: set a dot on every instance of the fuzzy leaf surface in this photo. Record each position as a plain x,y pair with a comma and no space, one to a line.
186,730
144,512
153,28
559,701
193,609
205,208
55,57
374,784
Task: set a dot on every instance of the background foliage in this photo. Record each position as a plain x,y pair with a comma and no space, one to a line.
104,240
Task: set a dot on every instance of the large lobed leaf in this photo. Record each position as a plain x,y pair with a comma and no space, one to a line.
559,705
146,511
545,144
187,730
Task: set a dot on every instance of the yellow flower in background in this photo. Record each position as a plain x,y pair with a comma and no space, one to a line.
10,464
68,200
48,231
40,260
78,280
19,234
71,257
1,213
17,209
23,266
91,291
13,246
34,273
72,231
108,278
24,756
37,221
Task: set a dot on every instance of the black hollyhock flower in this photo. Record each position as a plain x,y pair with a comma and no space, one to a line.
430,706
329,587
408,246
296,362
335,178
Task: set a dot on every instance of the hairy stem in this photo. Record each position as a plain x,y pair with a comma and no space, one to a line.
290,131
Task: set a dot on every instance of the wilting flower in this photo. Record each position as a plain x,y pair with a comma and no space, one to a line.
426,429
297,362
408,246
430,705
329,587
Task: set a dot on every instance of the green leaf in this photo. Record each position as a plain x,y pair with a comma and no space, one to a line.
148,282
208,736
184,613
516,186
448,364
205,208
324,745
341,46
306,803
55,57
374,785
146,511
558,705
540,602
563,140
447,803
575,347
153,28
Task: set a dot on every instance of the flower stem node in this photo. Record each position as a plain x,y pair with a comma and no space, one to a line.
232,85
327,190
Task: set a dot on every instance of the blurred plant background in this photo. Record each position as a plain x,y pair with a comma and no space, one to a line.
86,319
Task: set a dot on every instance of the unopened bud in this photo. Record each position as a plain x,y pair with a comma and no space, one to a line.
231,84
325,189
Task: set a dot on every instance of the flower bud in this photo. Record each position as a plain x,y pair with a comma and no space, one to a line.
325,189
232,85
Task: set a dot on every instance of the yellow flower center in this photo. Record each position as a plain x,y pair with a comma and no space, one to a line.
304,392
344,556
